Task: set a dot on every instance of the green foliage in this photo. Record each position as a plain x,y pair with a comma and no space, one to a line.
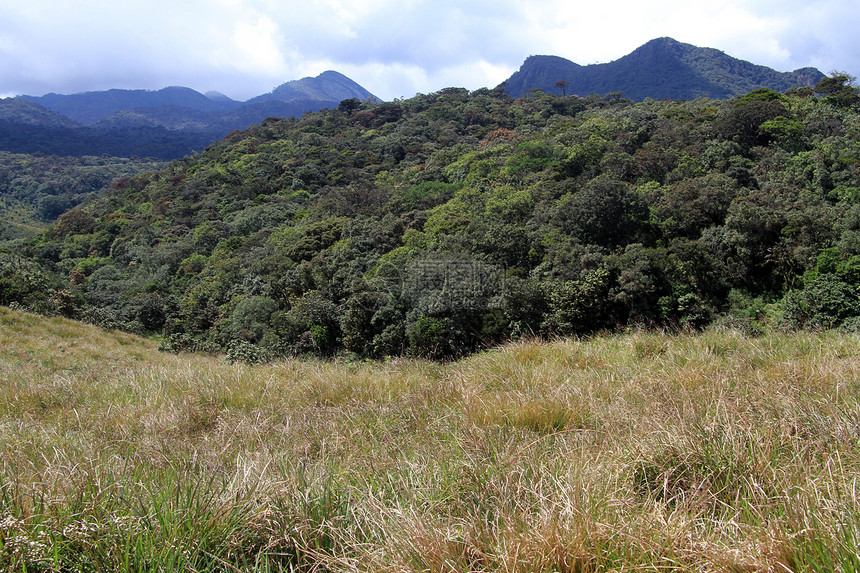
310,326
36,189
444,223
530,156
745,120
250,318
426,195
579,307
239,350
761,94
787,132
826,302
313,239
839,89
25,283
428,336
605,213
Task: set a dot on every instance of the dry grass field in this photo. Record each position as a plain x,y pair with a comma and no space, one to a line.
634,452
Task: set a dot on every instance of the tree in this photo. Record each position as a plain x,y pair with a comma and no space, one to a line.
745,119
562,85
250,318
578,307
348,106
839,89
74,222
614,97
606,213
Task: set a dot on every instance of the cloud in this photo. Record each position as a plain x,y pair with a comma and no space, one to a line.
821,34
394,48
257,46
408,32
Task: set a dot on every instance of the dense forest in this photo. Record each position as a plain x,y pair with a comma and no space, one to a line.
36,189
447,222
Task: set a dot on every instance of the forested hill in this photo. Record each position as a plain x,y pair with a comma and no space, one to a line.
661,69
88,108
446,222
36,189
163,124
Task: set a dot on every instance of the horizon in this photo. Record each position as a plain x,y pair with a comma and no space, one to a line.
243,48
220,93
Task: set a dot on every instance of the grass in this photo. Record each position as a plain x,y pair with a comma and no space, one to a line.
635,452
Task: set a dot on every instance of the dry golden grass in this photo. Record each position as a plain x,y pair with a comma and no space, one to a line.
643,451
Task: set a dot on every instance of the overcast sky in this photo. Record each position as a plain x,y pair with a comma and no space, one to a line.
394,48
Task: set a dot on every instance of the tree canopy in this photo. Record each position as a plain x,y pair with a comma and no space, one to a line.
447,222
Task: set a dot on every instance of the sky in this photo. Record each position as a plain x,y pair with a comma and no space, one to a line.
393,48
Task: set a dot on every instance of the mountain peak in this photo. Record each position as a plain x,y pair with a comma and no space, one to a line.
547,60
662,68
664,41
217,96
542,72
329,86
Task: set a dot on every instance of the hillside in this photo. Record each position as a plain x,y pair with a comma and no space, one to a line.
89,107
636,452
163,124
36,189
127,141
21,112
454,221
329,86
660,69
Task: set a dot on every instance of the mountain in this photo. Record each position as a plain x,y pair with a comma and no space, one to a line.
23,112
661,69
89,107
328,86
164,124
149,107
217,96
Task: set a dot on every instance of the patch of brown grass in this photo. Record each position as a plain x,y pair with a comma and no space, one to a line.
642,451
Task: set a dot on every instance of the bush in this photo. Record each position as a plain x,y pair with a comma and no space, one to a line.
244,351
428,337
184,342
826,302
250,318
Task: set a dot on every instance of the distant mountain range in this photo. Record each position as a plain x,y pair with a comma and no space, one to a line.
91,107
661,69
165,124
175,121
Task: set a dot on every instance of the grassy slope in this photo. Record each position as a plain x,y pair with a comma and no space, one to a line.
633,452
18,220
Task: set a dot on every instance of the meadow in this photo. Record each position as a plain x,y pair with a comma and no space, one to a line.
641,451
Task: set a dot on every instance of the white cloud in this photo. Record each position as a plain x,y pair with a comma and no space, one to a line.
258,46
393,47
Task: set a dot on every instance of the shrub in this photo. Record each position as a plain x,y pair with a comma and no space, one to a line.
825,302
244,351
428,337
250,318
